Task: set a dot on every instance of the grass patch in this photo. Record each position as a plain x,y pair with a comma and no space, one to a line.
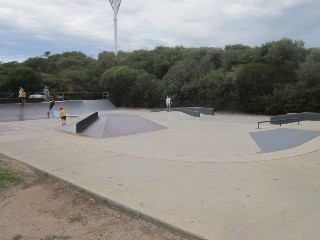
54,237
8,176
17,237
75,218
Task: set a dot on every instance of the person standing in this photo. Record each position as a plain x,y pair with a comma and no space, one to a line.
46,93
52,102
22,95
63,116
168,104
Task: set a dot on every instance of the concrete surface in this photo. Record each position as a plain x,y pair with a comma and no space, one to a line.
204,176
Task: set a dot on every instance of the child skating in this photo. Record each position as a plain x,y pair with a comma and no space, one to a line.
63,116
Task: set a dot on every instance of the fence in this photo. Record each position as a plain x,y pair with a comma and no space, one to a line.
281,121
58,96
61,96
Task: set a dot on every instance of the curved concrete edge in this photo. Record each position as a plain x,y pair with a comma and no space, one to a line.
311,146
121,207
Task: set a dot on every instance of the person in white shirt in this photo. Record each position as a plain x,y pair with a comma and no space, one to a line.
168,103
46,94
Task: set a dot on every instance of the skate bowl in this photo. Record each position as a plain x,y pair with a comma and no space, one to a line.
32,111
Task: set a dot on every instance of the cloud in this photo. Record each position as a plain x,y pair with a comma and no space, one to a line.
29,28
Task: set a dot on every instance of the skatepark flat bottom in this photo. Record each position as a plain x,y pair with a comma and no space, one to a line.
205,176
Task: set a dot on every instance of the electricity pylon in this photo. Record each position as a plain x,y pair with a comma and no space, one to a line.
115,4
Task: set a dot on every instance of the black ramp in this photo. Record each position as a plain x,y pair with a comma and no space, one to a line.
282,139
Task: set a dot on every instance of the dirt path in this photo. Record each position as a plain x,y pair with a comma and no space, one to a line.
44,208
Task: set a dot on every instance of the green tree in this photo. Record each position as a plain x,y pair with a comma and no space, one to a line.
5,70
39,64
177,81
46,54
25,77
309,71
138,59
143,93
107,59
163,58
76,78
254,81
211,90
118,81
285,56
235,55
60,62
53,81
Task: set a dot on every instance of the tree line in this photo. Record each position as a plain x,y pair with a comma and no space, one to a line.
274,78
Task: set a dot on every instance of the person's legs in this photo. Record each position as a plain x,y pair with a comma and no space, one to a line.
50,111
63,120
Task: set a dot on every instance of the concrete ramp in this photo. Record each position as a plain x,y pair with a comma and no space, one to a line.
71,107
282,139
98,105
32,111
21,112
84,106
116,125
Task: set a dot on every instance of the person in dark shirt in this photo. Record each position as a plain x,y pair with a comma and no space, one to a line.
51,104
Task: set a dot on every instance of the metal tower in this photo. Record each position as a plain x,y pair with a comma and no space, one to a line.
115,4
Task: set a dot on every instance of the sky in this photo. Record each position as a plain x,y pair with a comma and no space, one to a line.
28,28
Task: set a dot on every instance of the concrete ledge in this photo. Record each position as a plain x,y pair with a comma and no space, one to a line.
192,111
86,122
203,110
305,116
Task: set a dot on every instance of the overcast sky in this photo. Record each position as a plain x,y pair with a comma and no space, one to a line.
28,28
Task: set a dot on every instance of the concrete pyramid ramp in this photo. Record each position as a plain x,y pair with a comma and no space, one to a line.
116,125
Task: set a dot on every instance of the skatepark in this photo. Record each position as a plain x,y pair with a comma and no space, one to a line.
209,177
